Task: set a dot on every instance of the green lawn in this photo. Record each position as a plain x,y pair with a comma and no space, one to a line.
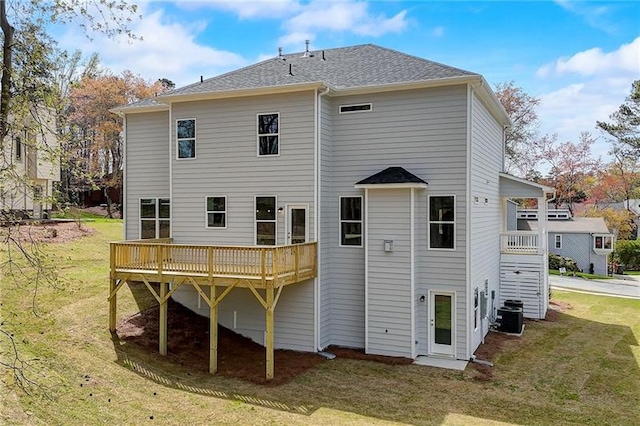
580,368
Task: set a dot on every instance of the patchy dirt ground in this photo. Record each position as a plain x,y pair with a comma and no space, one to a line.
49,232
238,356
241,358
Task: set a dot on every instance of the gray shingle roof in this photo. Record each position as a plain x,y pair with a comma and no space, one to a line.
576,225
341,68
392,175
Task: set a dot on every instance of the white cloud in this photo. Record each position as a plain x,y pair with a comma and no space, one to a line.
595,15
340,16
167,50
600,83
438,31
248,9
594,61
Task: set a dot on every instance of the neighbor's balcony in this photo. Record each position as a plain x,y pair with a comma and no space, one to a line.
160,260
520,242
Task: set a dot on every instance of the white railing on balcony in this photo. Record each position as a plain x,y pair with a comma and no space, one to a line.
532,214
520,242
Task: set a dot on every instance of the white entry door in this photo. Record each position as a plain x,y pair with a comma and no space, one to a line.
441,323
297,224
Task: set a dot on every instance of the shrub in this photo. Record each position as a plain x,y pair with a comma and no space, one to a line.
627,253
557,262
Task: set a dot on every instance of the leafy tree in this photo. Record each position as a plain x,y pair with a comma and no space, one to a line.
628,253
625,128
521,137
572,168
620,222
96,146
29,97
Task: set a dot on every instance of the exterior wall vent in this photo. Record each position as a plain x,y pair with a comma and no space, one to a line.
346,109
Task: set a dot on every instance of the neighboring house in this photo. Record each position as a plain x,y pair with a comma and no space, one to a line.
29,167
389,164
587,240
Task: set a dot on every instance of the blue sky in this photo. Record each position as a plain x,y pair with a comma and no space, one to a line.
578,57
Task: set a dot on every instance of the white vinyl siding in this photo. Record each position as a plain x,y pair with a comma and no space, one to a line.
227,164
146,164
424,131
389,283
486,217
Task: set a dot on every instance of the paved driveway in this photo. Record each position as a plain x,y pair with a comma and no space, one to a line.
629,287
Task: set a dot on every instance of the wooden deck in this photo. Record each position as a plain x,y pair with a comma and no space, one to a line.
265,271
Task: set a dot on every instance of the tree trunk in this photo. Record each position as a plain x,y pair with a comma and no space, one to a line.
7,67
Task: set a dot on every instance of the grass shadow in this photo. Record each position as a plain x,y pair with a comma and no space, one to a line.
565,369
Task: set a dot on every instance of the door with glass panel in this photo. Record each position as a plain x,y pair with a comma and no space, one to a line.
441,323
297,224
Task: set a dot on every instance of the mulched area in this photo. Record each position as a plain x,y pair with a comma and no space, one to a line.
238,356
241,358
47,232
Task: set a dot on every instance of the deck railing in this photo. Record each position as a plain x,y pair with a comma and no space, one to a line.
520,242
285,264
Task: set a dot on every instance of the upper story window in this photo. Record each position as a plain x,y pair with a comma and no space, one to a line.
558,241
266,221
603,242
18,141
155,218
269,134
442,222
351,221
216,212
186,138
346,109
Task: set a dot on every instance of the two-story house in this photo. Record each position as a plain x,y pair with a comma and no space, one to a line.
30,166
349,196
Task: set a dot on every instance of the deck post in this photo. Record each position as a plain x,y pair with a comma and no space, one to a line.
163,318
213,331
269,320
112,285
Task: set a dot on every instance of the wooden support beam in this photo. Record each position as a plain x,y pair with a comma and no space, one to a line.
113,288
270,333
163,318
213,333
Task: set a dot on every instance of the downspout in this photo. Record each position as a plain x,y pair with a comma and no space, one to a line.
317,174
468,333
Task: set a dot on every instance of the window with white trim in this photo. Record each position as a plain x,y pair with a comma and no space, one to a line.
266,221
351,221
602,242
442,229
186,138
269,134
216,212
155,218
558,241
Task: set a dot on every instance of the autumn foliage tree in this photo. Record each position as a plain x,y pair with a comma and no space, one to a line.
96,146
572,168
521,138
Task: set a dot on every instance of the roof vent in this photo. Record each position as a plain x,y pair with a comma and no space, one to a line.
307,54
279,52
201,79
290,70
323,58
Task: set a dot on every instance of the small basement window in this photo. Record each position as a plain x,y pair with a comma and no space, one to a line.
346,109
